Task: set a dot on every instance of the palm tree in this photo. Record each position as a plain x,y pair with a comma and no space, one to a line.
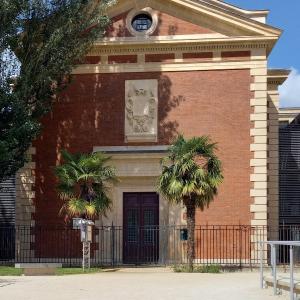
191,174
83,184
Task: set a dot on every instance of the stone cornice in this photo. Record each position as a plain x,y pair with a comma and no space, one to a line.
160,38
240,17
161,46
236,9
288,113
277,76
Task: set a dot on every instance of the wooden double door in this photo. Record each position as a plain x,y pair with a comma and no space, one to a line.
140,228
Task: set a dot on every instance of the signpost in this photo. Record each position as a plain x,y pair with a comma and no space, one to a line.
86,233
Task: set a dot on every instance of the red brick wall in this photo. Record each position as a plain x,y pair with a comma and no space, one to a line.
197,56
167,25
122,59
170,57
91,60
118,27
236,55
166,57
91,113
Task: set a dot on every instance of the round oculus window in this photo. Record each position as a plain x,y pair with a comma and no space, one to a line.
141,22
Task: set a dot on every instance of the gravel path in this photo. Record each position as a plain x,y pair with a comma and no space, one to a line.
141,284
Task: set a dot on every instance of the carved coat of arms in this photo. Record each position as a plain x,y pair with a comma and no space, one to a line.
141,106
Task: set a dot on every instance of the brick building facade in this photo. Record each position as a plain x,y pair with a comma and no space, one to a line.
165,67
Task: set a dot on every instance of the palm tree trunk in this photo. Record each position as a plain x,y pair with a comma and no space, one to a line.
190,215
84,195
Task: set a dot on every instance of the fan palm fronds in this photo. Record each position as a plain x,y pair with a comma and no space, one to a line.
83,184
191,174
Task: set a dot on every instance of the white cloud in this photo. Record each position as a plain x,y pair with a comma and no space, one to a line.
290,90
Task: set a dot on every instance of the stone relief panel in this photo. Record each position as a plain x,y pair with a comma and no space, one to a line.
141,100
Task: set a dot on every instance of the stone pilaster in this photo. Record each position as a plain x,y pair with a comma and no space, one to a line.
25,194
25,191
259,143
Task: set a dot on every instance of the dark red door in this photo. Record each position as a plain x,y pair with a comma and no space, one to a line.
141,231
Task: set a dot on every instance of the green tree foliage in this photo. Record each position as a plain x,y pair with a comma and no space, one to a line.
84,181
40,42
191,174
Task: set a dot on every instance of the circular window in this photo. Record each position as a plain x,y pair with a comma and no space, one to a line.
141,22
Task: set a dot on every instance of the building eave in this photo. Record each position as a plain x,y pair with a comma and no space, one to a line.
155,45
278,76
232,16
237,9
289,113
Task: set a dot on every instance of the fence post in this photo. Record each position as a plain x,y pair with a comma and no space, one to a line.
112,243
162,237
261,266
250,246
291,273
174,246
41,236
240,248
274,270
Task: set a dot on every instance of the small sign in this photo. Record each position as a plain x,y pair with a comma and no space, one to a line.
86,233
183,234
76,223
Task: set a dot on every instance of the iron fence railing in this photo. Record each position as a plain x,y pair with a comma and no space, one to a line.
235,245
280,281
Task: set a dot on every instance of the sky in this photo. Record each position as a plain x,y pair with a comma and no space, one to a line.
284,14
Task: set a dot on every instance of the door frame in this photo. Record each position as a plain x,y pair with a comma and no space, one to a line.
167,214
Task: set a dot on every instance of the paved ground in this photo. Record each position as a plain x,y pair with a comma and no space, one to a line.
141,284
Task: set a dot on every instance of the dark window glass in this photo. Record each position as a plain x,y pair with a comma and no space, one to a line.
132,231
149,229
141,22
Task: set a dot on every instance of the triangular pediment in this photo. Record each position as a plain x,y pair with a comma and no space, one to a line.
186,17
167,25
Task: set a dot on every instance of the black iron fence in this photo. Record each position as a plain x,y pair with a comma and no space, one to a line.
160,245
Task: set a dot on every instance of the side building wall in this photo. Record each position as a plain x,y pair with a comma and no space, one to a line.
275,79
273,161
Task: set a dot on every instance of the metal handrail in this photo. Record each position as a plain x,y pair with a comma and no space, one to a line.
285,243
273,245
